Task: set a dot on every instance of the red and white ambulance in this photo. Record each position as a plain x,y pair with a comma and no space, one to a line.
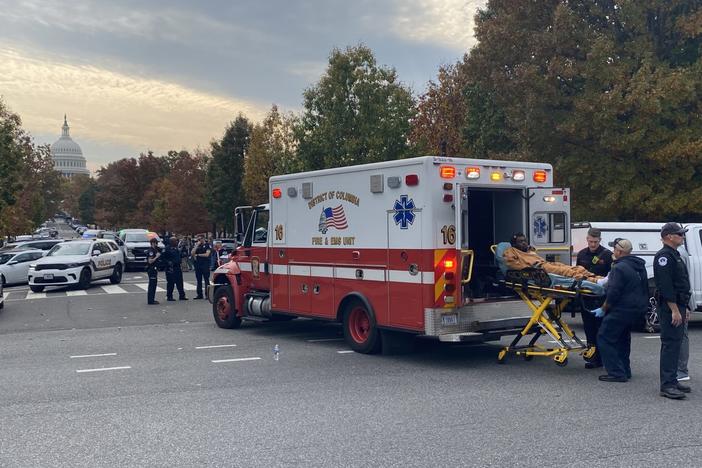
393,246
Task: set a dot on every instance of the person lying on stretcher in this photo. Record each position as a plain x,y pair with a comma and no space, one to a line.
521,255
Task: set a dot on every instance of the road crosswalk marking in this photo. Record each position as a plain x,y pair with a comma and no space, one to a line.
112,289
79,292
33,295
145,287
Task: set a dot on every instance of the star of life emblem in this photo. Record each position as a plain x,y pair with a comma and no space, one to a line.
540,227
404,212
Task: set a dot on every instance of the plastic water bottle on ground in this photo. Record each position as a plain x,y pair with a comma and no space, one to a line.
276,352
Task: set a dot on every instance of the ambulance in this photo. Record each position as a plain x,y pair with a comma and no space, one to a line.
397,246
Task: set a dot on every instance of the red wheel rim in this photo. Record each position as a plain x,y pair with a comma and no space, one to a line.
224,308
359,325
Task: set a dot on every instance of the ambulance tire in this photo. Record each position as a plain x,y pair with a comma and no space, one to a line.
223,308
360,328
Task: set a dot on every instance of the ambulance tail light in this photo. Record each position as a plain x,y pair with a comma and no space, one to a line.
449,276
449,264
411,180
540,176
447,172
448,198
277,193
449,288
472,172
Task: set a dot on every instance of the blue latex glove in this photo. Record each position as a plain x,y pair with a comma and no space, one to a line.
599,313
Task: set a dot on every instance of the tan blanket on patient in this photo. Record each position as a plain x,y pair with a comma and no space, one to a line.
515,259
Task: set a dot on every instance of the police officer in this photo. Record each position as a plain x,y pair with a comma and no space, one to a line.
174,274
598,260
201,253
673,286
627,299
152,258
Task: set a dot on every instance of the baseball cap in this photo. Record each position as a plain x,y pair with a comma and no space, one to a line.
672,228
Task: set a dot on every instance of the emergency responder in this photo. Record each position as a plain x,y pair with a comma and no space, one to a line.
673,287
201,254
216,256
152,259
598,260
174,274
626,302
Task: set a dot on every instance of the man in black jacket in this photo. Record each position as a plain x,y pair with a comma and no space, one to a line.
598,260
627,299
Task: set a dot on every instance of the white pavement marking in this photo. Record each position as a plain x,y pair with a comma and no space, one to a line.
80,371
216,346
321,340
92,355
145,287
189,287
345,351
33,295
136,277
217,361
80,292
653,337
114,290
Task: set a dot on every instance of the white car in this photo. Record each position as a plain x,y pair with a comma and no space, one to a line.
14,265
77,263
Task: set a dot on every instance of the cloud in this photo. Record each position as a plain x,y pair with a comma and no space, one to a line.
447,23
118,108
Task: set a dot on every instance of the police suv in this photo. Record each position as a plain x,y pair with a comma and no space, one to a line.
77,263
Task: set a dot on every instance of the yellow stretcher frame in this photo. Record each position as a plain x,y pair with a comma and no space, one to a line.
546,305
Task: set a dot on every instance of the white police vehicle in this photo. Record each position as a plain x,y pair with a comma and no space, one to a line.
77,263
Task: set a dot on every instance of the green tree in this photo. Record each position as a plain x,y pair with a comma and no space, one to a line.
271,152
225,172
357,113
13,148
86,202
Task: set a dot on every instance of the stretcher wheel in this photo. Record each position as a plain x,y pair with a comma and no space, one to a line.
561,362
501,356
589,353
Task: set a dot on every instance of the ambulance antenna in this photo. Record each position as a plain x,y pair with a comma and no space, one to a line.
443,148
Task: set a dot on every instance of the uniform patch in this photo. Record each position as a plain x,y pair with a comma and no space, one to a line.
663,261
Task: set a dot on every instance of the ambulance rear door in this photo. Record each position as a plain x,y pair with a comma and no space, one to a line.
548,222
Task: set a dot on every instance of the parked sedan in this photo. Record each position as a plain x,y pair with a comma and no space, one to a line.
35,244
14,265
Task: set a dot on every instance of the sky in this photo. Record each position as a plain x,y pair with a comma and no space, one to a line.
134,76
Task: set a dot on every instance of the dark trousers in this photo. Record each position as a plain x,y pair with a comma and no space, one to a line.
614,342
671,338
174,280
591,325
202,274
152,273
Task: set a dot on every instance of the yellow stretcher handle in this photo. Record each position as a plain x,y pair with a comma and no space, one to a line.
467,253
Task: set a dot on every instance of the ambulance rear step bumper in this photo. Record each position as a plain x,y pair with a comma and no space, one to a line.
478,337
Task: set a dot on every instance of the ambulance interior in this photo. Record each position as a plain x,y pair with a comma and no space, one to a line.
489,216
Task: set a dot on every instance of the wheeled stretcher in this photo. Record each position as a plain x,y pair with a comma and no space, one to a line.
546,295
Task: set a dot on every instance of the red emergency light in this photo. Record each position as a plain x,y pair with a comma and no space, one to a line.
277,193
411,179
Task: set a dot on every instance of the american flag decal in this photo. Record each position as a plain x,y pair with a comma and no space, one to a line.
332,218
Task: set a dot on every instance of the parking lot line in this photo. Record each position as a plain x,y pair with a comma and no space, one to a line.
216,346
101,369
217,361
79,292
345,351
189,287
33,295
651,337
92,355
145,287
111,289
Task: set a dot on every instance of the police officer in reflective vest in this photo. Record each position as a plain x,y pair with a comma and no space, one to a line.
598,260
673,286
152,256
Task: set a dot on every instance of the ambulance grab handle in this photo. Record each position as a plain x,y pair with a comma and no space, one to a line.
467,253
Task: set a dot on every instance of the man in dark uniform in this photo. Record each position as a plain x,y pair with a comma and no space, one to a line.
627,299
673,286
174,274
201,252
597,260
152,256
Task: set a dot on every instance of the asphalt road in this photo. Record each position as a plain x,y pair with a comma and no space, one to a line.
102,379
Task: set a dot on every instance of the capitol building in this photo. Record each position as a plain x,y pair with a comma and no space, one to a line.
67,155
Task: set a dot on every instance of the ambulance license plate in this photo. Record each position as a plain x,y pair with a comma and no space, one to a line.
48,276
450,319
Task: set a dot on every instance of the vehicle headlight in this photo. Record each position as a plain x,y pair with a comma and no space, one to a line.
75,265
32,266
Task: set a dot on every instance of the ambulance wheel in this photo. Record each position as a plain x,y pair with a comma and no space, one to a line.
360,329
223,308
116,277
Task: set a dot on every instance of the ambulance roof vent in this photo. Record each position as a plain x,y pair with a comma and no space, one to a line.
307,190
376,183
394,182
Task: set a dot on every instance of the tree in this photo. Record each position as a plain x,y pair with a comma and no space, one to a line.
225,172
608,92
13,148
86,202
357,113
441,113
271,152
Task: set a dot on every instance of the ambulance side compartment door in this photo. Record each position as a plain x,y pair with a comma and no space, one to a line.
548,222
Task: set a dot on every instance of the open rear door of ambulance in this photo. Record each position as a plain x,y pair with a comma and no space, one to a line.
548,222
